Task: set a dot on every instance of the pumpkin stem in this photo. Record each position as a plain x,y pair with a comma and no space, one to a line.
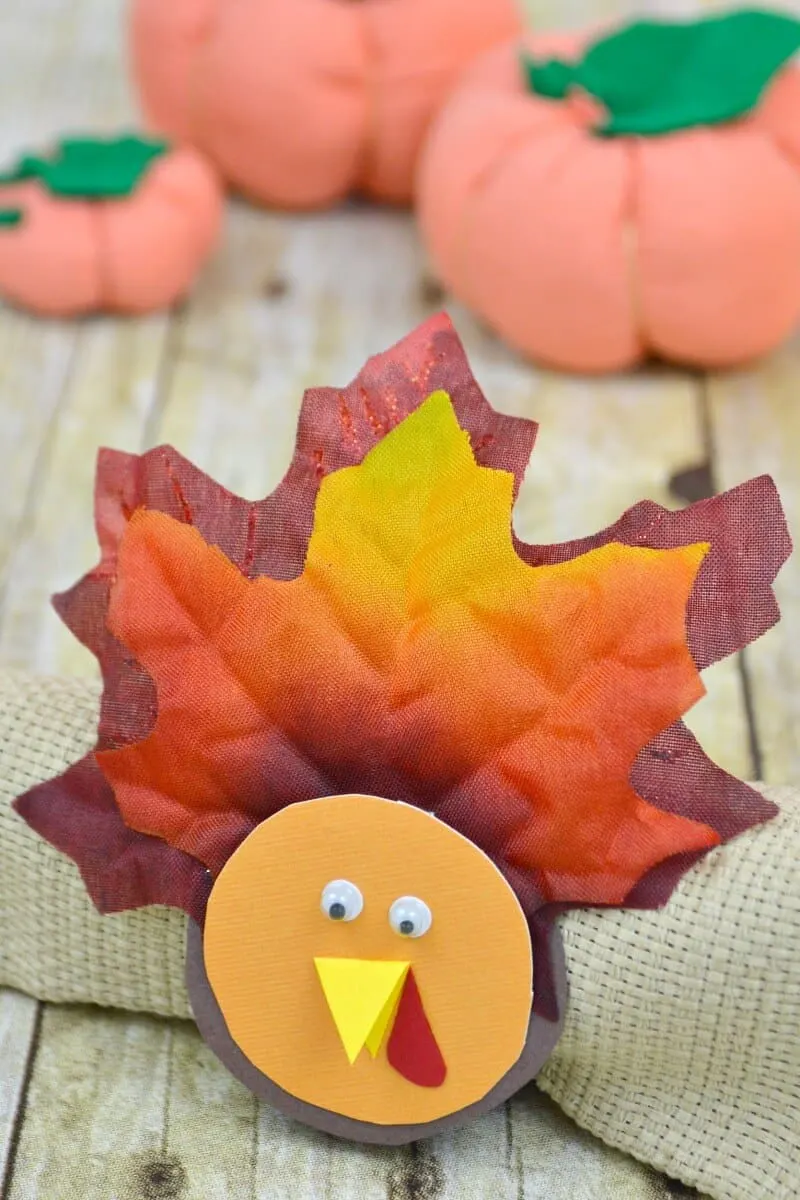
656,77
10,218
90,168
553,78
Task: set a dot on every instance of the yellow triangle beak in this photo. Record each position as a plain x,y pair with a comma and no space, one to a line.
362,995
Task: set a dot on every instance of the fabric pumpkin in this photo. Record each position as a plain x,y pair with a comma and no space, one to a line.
120,225
299,102
591,238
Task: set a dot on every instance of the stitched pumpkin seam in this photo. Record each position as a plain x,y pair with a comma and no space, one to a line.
475,192
631,247
366,153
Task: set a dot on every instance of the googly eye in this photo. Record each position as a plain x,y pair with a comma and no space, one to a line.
341,900
410,917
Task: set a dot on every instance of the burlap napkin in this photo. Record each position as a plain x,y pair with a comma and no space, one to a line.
682,1042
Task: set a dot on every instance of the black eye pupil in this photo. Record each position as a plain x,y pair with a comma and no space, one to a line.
407,927
337,911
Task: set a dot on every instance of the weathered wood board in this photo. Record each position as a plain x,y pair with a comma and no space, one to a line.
18,1025
129,1107
102,1104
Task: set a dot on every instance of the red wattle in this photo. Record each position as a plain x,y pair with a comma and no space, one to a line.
413,1050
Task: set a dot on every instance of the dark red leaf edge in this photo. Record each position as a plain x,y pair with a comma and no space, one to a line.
121,869
732,602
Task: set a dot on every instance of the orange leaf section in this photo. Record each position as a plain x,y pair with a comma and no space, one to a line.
417,657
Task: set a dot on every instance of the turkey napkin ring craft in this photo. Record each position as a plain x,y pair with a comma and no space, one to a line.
372,744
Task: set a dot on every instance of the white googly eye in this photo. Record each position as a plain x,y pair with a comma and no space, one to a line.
341,900
410,917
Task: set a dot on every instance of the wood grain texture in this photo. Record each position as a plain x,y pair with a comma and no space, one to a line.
94,1120
18,1015
755,427
112,384
137,1108
35,363
61,73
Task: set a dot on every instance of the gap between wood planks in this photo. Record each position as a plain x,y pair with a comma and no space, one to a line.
20,1030
108,1116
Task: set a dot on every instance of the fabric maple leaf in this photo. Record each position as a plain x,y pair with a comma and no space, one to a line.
722,597
415,657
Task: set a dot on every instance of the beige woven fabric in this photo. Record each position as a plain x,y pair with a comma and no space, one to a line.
682,1043
54,944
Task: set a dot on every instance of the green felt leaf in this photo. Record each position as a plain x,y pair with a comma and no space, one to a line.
90,168
10,218
654,77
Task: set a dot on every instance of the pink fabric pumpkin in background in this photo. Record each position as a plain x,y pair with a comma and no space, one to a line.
106,225
598,199
299,102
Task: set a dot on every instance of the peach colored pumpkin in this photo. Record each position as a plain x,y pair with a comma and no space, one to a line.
299,102
128,255
590,254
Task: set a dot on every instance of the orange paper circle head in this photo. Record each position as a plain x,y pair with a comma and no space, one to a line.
370,960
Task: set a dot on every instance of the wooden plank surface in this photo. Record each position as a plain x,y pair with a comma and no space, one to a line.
62,70
133,1107
95,1107
112,385
18,1024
